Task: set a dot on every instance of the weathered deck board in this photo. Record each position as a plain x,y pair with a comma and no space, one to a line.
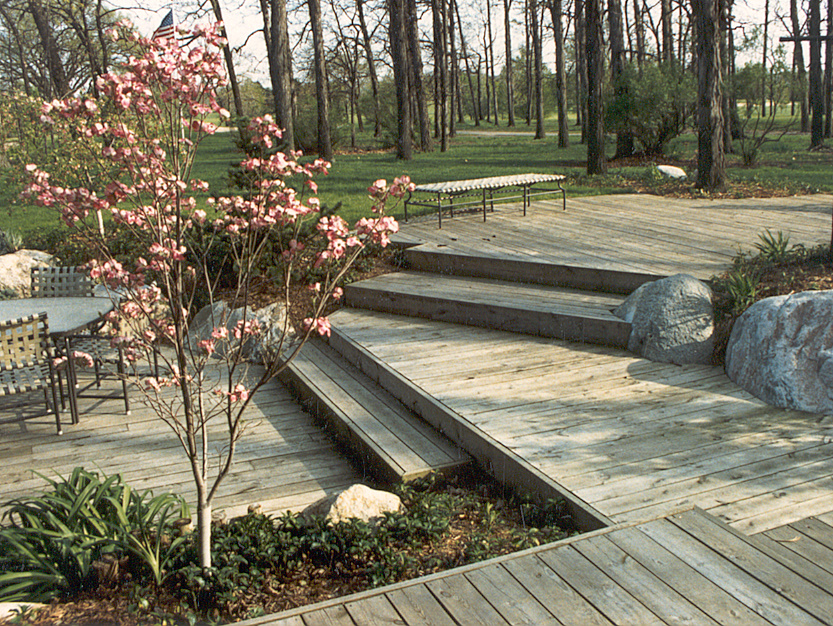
655,235
283,462
685,569
609,428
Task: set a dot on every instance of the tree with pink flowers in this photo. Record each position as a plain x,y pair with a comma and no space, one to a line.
139,140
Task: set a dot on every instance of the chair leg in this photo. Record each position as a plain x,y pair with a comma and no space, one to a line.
123,376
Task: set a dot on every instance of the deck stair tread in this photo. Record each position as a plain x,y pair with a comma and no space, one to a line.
384,433
535,309
684,568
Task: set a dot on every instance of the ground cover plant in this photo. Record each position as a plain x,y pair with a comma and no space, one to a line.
261,564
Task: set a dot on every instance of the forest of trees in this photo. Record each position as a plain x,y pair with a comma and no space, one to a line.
411,71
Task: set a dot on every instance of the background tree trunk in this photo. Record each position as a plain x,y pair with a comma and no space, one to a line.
667,38
596,163
232,75
798,60
816,95
322,96
401,71
560,74
538,72
413,54
57,75
711,165
371,69
581,63
624,139
280,71
510,82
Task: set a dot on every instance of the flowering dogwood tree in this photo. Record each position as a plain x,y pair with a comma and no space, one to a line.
142,134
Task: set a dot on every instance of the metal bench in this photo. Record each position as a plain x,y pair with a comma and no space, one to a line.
463,194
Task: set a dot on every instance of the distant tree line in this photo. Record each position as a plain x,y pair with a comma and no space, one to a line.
412,70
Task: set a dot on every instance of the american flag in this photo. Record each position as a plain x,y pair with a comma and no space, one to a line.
166,28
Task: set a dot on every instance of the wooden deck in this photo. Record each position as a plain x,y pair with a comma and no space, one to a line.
284,461
684,569
633,233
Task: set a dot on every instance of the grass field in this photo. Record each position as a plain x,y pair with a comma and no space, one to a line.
487,151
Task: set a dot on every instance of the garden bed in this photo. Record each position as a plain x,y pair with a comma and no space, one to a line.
264,565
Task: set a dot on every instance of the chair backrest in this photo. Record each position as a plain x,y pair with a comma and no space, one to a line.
57,282
23,341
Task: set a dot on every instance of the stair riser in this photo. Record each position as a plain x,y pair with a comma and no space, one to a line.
608,281
367,457
500,462
612,333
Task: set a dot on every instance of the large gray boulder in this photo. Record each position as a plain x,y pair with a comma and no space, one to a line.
672,320
671,171
359,502
271,319
16,267
781,351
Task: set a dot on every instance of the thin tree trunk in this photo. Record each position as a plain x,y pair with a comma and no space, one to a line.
454,83
528,65
371,69
490,66
441,72
828,72
415,62
624,139
486,74
280,69
763,59
538,74
401,71
596,163
560,75
322,97
639,27
725,29
798,60
57,74
816,95
510,83
581,62
232,75
474,102
711,165
667,38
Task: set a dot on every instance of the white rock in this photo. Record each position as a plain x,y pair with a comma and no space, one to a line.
358,501
672,320
16,268
781,351
670,171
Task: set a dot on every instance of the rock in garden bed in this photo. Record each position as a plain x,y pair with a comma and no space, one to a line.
781,351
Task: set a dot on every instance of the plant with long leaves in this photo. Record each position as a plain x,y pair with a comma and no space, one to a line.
51,542
144,133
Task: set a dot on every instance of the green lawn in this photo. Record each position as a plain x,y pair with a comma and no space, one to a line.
783,163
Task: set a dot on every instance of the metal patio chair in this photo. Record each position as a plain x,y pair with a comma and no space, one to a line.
26,361
73,282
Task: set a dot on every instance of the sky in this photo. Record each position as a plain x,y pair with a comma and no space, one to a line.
242,21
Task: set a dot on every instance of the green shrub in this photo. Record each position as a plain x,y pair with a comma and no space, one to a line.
50,544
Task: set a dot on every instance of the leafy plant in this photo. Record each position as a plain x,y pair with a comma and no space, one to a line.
53,541
773,247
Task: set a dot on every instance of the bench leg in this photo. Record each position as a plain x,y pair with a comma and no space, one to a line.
563,196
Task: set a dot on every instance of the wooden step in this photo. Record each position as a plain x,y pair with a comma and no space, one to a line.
442,259
541,310
387,438
491,455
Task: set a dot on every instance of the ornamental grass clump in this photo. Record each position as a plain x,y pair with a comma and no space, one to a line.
139,139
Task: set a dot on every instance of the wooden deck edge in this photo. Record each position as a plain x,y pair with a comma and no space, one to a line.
432,258
562,326
457,571
496,459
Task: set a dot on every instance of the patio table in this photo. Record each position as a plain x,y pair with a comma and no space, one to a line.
66,316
